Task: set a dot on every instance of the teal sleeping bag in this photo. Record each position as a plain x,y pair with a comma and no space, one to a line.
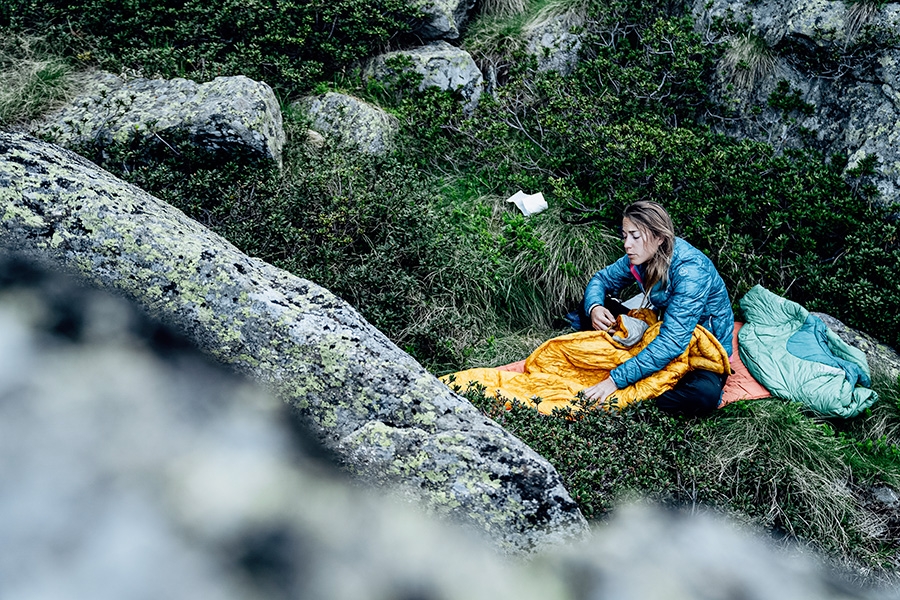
796,357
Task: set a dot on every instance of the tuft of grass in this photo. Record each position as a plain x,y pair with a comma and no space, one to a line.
502,8
33,79
873,438
859,14
497,36
787,469
571,13
747,60
495,40
548,281
882,421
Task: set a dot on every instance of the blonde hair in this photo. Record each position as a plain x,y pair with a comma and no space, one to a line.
651,218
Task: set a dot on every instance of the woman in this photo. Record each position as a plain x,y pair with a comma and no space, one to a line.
682,283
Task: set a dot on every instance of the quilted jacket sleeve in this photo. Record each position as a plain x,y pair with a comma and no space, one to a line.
613,278
690,283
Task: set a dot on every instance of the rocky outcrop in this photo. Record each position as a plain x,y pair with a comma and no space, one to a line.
351,122
816,74
439,64
883,360
365,398
554,42
127,456
225,115
442,19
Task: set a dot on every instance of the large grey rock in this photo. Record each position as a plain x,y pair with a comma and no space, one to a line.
132,468
443,19
554,42
883,360
364,397
852,90
351,121
441,65
223,115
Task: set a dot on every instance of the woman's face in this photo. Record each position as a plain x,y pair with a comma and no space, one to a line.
640,246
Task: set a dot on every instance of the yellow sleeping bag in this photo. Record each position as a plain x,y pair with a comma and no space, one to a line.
563,366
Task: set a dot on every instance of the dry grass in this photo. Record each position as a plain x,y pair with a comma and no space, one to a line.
883,421
503,8
747,61
791,469
32,79
859,15
499,32
545,286
569,13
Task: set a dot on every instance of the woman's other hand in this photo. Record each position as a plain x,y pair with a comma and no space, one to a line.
601,391
601,318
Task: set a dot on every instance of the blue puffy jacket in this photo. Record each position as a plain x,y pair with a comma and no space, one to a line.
695,294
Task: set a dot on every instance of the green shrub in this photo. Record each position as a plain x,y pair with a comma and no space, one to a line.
859,284
606,457
290,45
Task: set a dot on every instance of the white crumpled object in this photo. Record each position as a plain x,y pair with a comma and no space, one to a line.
529,204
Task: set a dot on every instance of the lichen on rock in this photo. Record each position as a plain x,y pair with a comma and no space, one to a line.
351,122
223,115
442,19
555,42
441,65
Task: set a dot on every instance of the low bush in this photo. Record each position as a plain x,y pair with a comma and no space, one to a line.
605,457
290,45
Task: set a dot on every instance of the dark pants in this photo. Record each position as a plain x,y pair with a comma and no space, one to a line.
697,394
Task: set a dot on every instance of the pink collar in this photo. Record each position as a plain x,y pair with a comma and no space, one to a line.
637,275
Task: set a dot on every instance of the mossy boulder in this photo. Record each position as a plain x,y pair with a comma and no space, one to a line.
442,19
555,42
225,115
361,394
351,122
439,64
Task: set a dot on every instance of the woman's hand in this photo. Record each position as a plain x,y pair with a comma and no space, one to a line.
601,391
601,318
